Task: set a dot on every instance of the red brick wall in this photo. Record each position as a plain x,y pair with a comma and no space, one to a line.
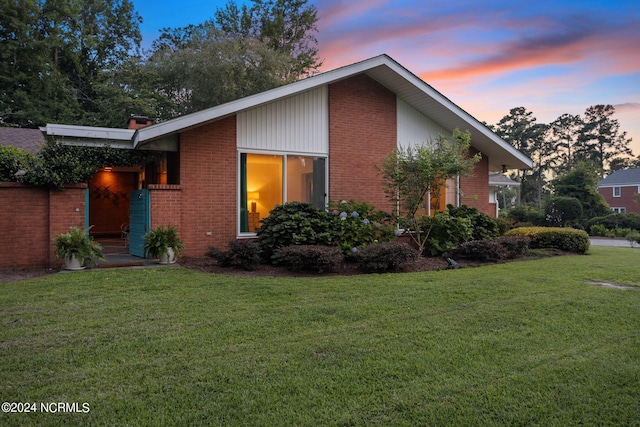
166,205
362,132
474,189
31,217
208,175
627,198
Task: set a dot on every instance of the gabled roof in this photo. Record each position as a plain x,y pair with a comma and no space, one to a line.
621,177
389,74
385,71
30,140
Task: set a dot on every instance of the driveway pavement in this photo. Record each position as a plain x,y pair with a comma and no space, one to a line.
604,241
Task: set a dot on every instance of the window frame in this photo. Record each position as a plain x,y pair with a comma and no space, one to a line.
617,189
284,155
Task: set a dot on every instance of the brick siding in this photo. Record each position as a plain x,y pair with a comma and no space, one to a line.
30,219
362,132
626,200
474,189
208,175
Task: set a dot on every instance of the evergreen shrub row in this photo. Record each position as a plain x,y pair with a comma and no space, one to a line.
565,239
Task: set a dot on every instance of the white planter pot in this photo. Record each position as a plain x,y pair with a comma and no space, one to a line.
73,263
168,257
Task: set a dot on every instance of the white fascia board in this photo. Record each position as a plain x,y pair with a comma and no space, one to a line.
89,132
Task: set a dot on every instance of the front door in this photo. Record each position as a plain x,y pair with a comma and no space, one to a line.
139,221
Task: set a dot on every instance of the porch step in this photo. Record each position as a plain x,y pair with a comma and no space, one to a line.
121,264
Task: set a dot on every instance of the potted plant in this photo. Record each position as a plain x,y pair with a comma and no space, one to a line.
163,243
78,249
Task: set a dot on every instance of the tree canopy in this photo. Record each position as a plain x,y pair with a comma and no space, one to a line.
409,174
557,148
55,56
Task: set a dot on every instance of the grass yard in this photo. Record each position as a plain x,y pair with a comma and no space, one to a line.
524,343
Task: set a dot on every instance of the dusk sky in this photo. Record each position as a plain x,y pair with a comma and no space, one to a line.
551,57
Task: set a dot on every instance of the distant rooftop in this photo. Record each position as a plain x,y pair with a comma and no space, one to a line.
27,139
621,177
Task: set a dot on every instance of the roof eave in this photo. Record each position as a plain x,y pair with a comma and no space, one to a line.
90,136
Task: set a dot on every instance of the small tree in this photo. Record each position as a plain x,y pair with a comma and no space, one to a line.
410,174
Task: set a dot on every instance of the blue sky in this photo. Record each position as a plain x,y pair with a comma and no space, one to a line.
487,56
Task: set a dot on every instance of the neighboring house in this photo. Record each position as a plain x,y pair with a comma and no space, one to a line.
498,183
319,139
30,140
620,190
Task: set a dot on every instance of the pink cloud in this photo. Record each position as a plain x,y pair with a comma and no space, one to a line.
628,107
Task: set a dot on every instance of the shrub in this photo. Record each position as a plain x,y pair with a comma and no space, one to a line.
12,159
358,225
617,220
598,230
313,258
444,232
527,215
484,227
621,232
563,210
504,247
294,223
504,224
514,246
633,237
480,250
242,254
390,256
565,239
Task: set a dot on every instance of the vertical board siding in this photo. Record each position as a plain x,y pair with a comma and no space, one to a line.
297,124
414,128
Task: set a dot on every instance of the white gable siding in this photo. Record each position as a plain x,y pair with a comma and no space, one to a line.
414,128
298,124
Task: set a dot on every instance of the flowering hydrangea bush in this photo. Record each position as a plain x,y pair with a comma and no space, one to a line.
359,225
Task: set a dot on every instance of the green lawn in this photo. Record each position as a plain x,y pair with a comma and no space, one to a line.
524,343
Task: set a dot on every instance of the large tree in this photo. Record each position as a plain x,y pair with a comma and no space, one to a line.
520,129
199,67
286,26
581,182
563,133
55,55
600,138
240,52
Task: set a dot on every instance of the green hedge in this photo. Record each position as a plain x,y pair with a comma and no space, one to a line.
565,239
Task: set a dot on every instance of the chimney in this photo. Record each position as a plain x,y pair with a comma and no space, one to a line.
138,122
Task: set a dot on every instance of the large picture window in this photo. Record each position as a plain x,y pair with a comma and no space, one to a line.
267,180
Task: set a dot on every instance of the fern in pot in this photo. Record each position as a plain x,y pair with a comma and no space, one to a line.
78,249
163,243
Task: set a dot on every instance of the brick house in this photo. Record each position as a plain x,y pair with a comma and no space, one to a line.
224,168
620,190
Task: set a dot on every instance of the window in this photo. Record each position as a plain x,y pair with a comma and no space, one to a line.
267,180
619,210
616,191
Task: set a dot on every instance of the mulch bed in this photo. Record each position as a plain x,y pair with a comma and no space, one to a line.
209,265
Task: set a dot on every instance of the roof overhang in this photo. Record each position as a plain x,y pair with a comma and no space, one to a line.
90,136
389,74
383,69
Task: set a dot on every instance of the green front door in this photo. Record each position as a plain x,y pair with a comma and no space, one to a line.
139,221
